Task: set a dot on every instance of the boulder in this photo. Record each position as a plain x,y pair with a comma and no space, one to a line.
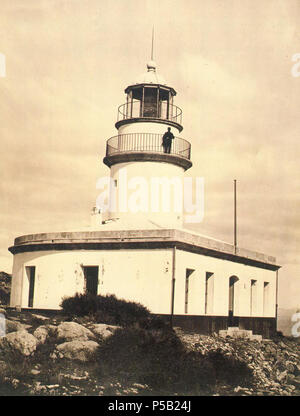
77,350
3,367
104,330
20,341
13,326
41,334
40,317
70,331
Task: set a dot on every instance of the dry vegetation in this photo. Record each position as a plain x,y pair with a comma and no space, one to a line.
141,356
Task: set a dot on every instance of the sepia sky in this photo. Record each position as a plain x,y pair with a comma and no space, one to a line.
67,65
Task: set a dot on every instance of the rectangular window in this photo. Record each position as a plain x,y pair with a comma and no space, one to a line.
30,270
266,297
150,102
253,295
209,293
91,279
188,272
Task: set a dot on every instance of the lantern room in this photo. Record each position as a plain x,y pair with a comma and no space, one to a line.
150,99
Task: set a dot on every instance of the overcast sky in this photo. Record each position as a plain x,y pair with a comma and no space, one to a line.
67,65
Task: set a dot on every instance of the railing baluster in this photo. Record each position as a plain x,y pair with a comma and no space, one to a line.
133,108
151,142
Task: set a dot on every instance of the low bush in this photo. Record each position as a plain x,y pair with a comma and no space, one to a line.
5,284
107,309
159,359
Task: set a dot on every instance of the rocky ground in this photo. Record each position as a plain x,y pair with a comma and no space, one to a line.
275,364
49,356
58,356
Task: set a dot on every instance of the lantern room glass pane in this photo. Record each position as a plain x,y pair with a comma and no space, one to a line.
150,102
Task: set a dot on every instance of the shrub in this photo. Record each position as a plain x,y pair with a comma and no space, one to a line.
156,358
5,284
107,309
159,359
229,369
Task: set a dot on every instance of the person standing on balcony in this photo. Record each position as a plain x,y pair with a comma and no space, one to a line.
167,140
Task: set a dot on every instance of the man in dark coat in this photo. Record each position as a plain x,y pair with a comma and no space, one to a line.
167,140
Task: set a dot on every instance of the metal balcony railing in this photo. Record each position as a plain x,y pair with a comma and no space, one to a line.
146,142
161,110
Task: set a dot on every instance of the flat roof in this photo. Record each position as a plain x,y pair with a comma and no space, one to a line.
156,238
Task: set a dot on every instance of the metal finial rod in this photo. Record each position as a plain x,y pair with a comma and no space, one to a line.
152,43
235,219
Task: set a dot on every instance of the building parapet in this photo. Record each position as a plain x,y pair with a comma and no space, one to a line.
160,238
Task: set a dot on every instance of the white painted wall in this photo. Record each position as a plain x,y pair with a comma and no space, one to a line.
143,276
172,217
146,127
138,275
223,270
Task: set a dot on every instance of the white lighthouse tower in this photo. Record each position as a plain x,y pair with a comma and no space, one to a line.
146,177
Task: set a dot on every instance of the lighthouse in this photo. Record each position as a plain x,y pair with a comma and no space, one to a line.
139,155
137,246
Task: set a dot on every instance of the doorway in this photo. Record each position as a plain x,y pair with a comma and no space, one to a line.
91,279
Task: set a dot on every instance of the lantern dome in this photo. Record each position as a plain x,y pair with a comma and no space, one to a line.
151,76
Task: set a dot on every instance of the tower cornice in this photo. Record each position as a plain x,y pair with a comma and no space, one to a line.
147,120
147,157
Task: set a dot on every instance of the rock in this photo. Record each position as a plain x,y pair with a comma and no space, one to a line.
282,376
281,365
290,367
104,330
13,326
3,311
77,350
35,372
70,331
15,382
3,367
296,381
41,317
290,378
256,337
41,334
297,370
38,387
20,341
282,344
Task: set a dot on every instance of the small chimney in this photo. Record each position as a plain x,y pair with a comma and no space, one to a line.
96,217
